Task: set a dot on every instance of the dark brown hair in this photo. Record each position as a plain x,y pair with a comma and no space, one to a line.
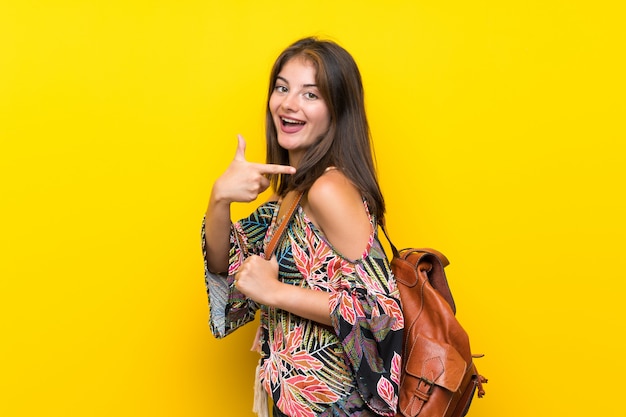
347,143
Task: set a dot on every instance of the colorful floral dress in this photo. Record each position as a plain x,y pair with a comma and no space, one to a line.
310,369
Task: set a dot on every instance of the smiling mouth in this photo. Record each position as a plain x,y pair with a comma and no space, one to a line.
290,122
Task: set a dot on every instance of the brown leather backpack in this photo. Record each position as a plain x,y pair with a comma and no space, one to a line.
439,378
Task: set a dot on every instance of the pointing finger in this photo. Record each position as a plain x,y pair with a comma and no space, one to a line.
240,155
276,169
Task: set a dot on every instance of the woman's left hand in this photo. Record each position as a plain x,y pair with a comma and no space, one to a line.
258,279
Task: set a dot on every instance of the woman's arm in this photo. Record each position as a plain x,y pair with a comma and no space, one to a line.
258,280
217,230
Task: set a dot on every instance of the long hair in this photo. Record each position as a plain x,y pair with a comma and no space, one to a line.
347,143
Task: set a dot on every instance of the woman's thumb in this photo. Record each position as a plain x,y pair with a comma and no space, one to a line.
240,155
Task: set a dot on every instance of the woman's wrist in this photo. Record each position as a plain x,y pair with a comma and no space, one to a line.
218,197
279,295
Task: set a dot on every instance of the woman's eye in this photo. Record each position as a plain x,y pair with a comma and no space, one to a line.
281,88
310,96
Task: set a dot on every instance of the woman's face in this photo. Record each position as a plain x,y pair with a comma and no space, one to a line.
299,112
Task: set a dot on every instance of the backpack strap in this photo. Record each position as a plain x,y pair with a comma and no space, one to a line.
285,213
393,247
288,204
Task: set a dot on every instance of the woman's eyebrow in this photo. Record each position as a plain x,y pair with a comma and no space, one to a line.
278,77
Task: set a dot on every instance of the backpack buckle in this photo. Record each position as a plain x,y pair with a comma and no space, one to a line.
425,387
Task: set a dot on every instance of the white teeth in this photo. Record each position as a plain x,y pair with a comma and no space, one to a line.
291,121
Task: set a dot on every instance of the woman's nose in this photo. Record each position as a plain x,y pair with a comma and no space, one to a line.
290,103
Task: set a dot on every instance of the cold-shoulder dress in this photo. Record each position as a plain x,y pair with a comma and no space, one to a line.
351,368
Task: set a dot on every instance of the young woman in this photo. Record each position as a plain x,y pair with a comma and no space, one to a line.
331,321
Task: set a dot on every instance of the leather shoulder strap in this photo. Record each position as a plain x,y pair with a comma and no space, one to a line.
395,251
285,213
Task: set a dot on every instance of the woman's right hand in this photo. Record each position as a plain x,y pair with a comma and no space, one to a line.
243,181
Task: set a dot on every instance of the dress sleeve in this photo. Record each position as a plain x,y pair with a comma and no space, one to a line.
367,317
229,309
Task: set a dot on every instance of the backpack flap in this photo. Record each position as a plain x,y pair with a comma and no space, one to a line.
436,363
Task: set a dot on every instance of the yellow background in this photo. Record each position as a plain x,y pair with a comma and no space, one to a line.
499,131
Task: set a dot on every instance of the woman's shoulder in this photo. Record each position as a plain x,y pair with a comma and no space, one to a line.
333,185
335,205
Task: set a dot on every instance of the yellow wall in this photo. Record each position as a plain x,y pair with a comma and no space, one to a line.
499,129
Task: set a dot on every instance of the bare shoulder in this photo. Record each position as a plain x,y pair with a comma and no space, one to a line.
333,188
335,206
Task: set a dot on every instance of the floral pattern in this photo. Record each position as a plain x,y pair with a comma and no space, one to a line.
351,369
